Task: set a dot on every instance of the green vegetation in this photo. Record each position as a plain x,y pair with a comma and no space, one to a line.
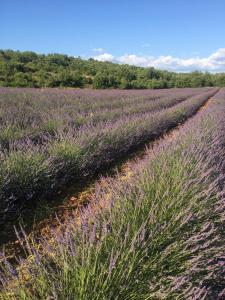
28,69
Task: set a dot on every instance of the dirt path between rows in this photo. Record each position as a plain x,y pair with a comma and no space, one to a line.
78,196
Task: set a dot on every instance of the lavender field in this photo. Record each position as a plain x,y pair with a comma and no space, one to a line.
156,233
50,137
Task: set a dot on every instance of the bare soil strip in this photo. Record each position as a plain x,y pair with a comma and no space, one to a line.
71,200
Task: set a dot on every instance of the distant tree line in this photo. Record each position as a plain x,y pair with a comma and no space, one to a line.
28,69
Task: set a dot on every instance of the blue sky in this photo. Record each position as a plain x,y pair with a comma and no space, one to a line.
169,34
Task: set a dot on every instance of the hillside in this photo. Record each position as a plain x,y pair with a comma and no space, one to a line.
29,69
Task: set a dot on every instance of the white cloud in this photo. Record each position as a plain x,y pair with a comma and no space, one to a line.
214,62
104,57
133,59
99,50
